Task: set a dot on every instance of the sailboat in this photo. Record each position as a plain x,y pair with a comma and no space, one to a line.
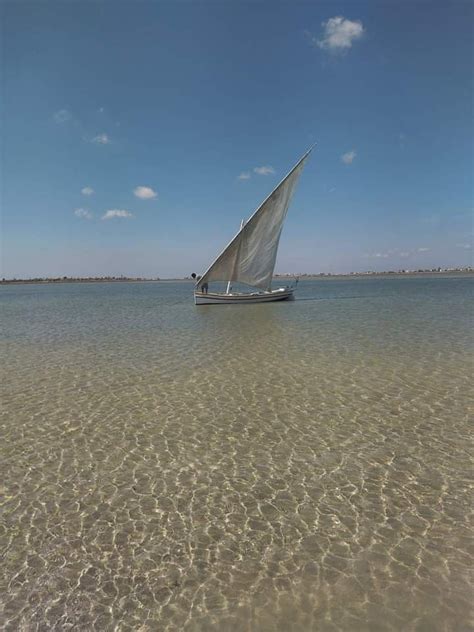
249,259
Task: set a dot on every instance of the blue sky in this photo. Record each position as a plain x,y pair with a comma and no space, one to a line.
126,126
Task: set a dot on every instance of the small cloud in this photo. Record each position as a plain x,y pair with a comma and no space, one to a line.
87,191
116,213
83,213
101,139
396,252
101,110
348,157
62,116
332,189
339,34
264,171
377,255
145,193
465,246
245,175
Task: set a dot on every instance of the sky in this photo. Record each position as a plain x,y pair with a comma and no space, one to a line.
137,135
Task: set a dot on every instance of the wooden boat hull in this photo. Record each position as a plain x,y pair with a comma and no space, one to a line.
216,298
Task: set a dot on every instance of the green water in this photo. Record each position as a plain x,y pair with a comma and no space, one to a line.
293,466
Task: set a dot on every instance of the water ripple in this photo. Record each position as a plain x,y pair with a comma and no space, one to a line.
287,467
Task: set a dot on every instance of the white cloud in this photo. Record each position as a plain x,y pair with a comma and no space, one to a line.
101,139
83,213
145,193
465,246
264,171
101,110
377,255
116,213
388,253
396,252
62,116
245,175
348,157
87,191
339,34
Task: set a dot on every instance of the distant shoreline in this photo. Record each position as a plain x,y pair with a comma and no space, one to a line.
277,277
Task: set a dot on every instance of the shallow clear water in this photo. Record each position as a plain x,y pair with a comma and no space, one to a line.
293,466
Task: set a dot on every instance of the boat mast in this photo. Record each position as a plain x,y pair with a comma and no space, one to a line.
229,286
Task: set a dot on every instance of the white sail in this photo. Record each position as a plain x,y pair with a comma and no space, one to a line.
250,257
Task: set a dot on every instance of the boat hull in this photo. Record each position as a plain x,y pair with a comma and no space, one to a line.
216,298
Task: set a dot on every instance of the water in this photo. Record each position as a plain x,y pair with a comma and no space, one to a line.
295,466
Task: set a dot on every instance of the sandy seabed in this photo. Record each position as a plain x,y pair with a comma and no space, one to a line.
298,466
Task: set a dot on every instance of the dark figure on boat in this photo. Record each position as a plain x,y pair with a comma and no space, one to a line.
204,287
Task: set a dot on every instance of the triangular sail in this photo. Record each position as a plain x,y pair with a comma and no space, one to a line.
250,257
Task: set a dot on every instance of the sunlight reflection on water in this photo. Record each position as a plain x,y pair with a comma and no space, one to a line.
295,466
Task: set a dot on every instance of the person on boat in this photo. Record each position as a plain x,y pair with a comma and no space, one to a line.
204,287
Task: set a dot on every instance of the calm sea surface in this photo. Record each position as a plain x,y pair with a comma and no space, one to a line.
293,466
